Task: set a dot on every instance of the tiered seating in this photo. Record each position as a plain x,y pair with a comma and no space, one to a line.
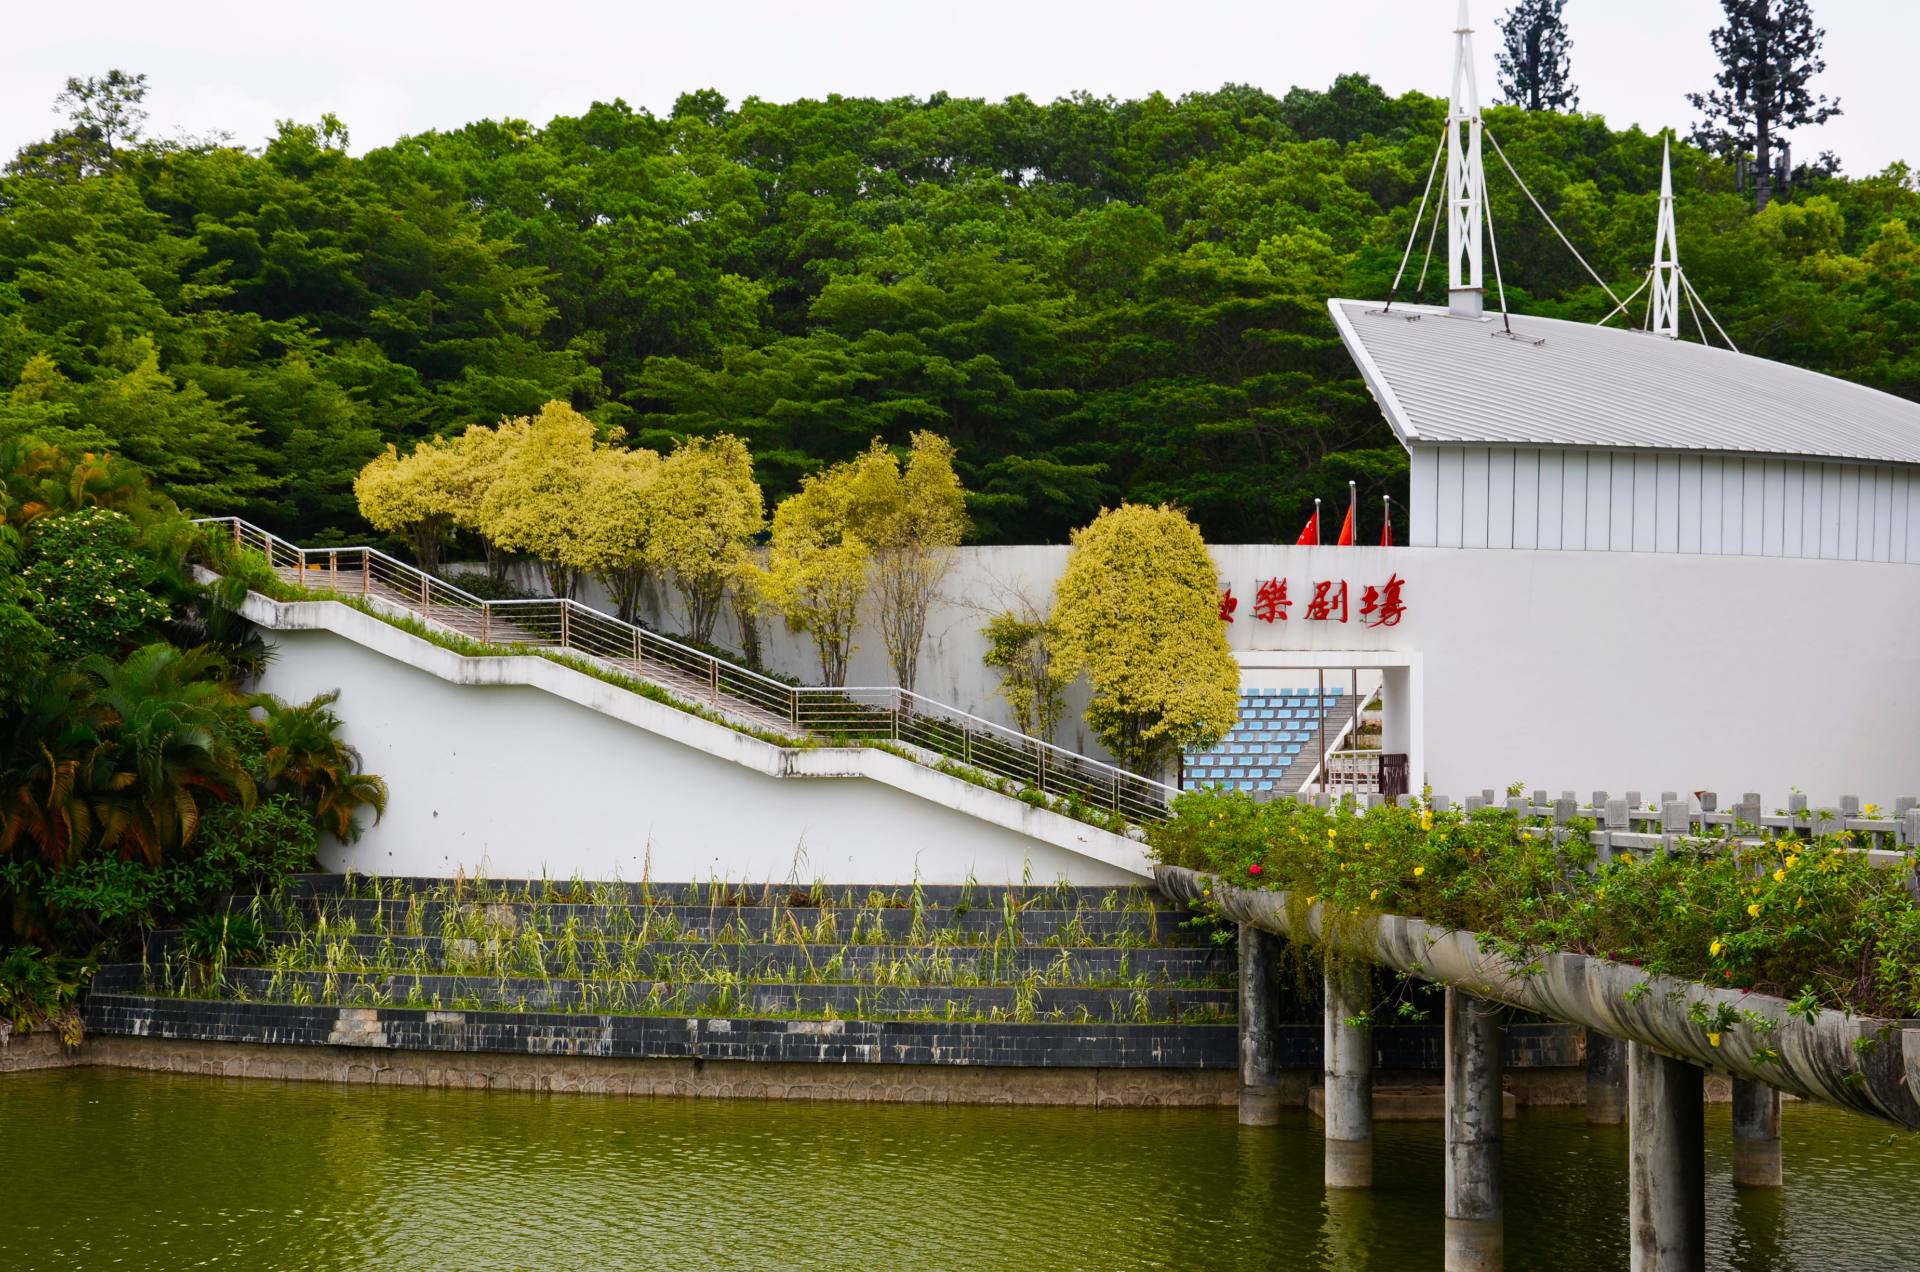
1275,726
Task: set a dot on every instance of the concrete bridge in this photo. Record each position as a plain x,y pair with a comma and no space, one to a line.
1647,1057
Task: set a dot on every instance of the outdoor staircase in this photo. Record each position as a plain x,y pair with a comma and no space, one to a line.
919,728
1323,739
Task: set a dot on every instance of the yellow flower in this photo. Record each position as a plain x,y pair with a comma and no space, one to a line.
1713,1039
1870,810
1627,857
1753,911
1779,876
1374,895
1426,820
1792,861
1715,948
1418,871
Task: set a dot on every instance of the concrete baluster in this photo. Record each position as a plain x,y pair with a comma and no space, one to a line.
1474,1237
1606,1079
1756,1135
1666,1163
1347,1093
1259,1042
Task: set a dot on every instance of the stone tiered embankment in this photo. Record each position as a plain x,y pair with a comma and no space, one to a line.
733,985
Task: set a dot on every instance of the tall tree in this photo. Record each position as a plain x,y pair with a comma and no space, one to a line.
1769,50
102,111
1535,60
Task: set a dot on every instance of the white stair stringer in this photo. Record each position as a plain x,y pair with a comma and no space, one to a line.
1060,844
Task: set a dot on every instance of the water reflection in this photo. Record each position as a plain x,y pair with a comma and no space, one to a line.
142,1171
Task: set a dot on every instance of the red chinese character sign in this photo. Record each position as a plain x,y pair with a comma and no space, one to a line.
1381,605
1329,599
1384,603
1270,603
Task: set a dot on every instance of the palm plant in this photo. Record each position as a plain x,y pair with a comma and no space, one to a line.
303,752
167,715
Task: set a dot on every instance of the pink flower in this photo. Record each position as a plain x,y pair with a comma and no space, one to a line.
1253,870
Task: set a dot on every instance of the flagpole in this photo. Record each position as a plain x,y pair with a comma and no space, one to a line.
1319,536
1386,521
1353,512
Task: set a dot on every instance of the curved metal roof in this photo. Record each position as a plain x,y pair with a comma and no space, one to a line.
1445,380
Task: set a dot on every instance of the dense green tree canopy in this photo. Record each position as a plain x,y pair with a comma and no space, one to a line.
1095,300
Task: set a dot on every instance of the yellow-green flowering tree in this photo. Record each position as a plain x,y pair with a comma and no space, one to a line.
1138,609
817,562
1020,648
536,502
473,463
616,538
706,508
409,497
913,519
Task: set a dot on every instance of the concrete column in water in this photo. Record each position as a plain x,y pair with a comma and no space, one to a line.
1259,1042
1475,1241
1756,1135
1348,1087
1606,1079
1666,1162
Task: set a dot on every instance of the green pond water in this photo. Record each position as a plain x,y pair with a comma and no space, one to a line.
107,1169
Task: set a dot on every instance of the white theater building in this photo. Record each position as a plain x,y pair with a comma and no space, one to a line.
1637,562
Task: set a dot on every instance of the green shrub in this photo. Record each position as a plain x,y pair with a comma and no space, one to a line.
38,991
96,590
1803,915
223,939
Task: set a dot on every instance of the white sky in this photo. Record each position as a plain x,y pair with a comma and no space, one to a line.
404,66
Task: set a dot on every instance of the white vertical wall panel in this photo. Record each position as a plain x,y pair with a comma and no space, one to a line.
1688,512
1526,500
1596,500
1501,492
1793,520
1773,511
1473,503
1573,500
1645,496
1711,494
1599,502
1666,504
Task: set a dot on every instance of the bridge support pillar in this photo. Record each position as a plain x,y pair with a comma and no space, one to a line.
1475,1241
1756,1135
1606,1079
1259,1045
1348,1089
1666,1162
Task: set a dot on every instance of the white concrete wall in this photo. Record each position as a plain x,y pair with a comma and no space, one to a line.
566,775
1608,670
1662,501
1563,669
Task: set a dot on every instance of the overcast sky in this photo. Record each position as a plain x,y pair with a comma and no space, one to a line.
403,66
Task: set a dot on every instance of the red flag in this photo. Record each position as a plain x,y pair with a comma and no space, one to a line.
1310,537
1346,530
1386,533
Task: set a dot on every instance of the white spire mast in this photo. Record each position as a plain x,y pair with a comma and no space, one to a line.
1664,316
1466,179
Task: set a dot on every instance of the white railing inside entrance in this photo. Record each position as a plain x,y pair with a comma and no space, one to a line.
1353,772
932,732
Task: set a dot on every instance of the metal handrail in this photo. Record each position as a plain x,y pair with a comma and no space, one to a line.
934,732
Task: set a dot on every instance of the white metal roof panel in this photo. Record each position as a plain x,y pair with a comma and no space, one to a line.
1443,379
